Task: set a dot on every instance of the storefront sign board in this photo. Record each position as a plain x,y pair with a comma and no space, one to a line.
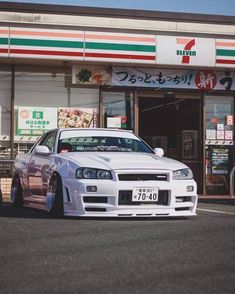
40,43
176,50
119,47
4,41
225,52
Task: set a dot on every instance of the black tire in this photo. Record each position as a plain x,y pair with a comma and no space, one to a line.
57,209
16,192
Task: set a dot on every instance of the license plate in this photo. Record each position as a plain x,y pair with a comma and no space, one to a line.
145,194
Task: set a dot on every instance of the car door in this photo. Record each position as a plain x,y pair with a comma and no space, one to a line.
38,170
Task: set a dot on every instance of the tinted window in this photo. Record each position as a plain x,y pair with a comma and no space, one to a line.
102,144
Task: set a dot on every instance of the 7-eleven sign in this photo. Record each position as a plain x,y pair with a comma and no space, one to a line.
176,50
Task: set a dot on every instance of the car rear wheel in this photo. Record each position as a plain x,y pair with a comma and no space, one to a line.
56,195
16,192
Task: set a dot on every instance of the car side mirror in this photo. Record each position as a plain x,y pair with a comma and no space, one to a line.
159,151
42,150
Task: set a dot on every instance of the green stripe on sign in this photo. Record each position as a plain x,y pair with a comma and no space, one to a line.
46,43
4,41
223,52
123,47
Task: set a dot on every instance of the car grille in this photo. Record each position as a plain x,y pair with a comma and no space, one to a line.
125,198
142,177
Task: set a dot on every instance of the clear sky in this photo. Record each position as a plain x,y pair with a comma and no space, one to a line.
220,7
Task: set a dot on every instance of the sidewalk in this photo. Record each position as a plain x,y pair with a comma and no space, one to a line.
215,197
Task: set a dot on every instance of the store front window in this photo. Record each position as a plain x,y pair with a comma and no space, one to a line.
219,143
43,102
118,110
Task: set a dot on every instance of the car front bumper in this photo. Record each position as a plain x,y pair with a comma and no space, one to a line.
114,198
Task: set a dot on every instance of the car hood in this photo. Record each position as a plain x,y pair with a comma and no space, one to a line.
124,160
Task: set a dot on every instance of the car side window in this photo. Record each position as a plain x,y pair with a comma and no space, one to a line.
49,141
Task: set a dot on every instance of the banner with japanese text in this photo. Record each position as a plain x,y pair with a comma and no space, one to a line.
180,79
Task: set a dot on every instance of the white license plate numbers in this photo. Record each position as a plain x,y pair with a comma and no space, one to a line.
145,194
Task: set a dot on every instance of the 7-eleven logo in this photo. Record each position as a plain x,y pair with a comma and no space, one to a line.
187,51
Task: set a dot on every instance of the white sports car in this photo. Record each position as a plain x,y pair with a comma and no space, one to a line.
102,172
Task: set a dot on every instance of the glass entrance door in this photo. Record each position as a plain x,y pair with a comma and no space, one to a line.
118,110
219,144
172,122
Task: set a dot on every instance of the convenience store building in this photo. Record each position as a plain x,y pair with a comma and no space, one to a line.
170,77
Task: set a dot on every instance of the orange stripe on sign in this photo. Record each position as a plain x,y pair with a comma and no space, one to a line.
120,38
226,44
47,34
45,52
4,31
182,41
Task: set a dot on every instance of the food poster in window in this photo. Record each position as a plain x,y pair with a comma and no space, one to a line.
69,117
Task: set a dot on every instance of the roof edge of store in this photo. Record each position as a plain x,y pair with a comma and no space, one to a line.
114,12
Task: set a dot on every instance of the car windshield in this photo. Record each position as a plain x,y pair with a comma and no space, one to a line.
101,144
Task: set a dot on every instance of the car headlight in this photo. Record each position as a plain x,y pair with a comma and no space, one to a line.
93,173
183,174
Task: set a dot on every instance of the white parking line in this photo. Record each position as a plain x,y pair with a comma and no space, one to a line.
216,211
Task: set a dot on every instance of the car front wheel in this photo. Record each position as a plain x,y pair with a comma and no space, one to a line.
16,192
56,196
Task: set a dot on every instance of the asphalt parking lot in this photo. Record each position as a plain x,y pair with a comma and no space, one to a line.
43,255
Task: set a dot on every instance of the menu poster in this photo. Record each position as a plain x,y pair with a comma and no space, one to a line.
113,122
210,134
220,161
220,135
220,127
228,135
